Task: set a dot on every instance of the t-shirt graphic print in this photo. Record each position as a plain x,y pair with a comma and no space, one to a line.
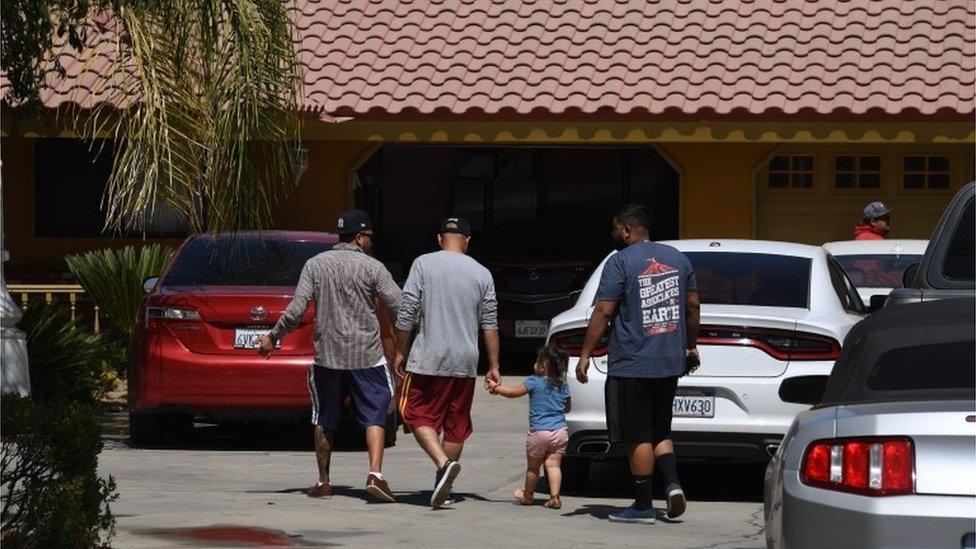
648,281
660,290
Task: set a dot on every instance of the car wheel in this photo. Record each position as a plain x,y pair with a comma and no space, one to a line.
150,429
576,471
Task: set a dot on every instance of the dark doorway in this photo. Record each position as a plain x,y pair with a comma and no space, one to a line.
540,215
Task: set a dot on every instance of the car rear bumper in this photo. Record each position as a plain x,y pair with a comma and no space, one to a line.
170,377
595,444
861,521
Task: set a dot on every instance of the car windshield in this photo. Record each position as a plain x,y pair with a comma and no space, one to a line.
729,278
229,260
946,366
877,270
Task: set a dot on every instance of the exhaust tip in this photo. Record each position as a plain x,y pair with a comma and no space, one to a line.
593,448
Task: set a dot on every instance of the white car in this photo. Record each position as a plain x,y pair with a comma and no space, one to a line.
770,311
876,266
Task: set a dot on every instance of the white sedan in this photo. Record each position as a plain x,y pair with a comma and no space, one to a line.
876,266
770,311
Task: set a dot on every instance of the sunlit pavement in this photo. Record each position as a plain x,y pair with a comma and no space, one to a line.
244,487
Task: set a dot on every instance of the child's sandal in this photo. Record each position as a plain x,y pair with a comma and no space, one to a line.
520,497
554,503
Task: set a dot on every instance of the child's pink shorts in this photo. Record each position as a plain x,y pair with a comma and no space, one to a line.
542,444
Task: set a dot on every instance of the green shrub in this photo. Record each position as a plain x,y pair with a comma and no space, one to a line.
67,363
114,279
53,496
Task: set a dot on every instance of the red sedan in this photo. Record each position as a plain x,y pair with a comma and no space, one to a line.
194,350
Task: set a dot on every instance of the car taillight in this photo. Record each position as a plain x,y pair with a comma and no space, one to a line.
779,344
572,341
170,313
867,466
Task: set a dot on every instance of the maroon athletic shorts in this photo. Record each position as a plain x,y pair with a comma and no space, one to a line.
439,402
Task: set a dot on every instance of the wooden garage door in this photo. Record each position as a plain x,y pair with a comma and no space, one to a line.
817,194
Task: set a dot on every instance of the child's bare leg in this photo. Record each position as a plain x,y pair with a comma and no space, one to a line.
554,475
526,494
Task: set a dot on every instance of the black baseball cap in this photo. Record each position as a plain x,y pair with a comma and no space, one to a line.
455,225
354,221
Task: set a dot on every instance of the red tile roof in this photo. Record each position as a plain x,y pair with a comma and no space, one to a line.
382,58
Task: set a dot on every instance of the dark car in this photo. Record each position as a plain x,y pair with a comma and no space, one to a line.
948,268
539,267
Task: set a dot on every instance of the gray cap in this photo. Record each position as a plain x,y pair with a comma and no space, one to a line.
875,210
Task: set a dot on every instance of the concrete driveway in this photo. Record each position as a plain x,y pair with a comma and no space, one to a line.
244,487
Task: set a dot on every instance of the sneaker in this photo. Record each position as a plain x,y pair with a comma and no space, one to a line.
633,515
676,501
379,489
444,482
320,491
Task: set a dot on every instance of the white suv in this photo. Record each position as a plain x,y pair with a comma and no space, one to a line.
770,311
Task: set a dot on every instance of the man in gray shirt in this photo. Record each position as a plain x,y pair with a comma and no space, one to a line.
345,283
448,297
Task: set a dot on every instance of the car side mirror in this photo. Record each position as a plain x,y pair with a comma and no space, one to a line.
803,389
908,277
877,302
149,284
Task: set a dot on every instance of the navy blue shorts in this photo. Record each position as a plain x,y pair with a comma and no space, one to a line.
370,390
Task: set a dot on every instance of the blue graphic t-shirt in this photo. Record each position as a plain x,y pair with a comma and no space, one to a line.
648,281
547,404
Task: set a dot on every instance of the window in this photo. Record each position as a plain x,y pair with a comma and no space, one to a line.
728,278
850,300
791,171
71,175
945,366
236,261
857,172
960,258
925,172
877,270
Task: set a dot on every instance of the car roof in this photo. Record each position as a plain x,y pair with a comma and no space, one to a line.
745,246
907,325
879,247
291,236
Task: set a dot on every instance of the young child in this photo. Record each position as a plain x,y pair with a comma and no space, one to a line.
546,440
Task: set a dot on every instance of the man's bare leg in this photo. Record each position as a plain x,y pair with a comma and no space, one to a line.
375,444
324,441
431,443
453,450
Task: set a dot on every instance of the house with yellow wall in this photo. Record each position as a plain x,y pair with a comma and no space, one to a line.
534,120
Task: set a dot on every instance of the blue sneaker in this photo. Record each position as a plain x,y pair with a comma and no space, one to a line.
676,501
633,515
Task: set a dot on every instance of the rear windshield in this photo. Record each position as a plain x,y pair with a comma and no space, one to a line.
728,278
925,367
876,270
241,261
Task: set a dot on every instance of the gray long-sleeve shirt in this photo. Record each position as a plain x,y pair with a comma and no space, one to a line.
449,296
344,282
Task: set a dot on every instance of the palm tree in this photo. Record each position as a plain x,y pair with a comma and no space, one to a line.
209,90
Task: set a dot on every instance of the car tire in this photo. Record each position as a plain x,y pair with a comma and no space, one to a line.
151,429
576,471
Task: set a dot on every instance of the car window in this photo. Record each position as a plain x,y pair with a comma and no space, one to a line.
731,278
925,367
876,270
850,300
236,261
960,259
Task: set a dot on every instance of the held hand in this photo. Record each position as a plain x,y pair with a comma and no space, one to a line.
492,377
693,353
581,368
398,366
266,346
492,386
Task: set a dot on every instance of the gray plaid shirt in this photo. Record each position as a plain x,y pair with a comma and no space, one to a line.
344,282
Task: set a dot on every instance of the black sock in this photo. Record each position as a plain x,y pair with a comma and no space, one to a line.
642,492
668,468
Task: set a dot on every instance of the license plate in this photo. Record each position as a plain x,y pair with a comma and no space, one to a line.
693,404
531,329
248,338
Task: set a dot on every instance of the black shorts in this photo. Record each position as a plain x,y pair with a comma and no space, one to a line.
639,409
370,390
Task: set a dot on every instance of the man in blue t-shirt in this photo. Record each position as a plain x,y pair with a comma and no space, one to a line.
649,294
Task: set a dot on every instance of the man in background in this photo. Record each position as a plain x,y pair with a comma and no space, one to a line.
875,224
